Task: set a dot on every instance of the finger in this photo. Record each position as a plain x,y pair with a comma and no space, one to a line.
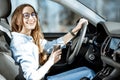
84,21
59,50
58,57
59,53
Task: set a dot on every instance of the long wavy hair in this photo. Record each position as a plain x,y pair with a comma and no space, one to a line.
17,25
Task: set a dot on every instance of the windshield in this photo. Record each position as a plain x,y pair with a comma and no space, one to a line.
108,9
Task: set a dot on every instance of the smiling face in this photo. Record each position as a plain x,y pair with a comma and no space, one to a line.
29,19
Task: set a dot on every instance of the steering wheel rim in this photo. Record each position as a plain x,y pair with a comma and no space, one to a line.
77,45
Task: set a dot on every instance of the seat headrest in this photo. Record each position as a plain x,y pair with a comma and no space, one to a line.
5,8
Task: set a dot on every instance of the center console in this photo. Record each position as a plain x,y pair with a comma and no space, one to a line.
110,55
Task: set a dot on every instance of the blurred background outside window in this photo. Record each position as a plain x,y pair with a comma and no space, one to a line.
56,18
53,17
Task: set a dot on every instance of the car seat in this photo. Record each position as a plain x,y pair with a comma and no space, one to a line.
8,68
2,77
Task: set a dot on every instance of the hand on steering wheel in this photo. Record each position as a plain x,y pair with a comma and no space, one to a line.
78,40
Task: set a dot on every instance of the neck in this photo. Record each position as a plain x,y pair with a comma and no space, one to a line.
26,31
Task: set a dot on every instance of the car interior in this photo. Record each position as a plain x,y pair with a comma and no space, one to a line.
9,70
97,47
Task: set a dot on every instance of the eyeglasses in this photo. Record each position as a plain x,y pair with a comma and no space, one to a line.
27,15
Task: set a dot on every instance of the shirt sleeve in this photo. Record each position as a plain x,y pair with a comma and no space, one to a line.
48,45
23,55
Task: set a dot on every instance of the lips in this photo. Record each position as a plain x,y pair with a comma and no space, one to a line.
30,22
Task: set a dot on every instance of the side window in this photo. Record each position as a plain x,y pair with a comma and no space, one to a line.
53,17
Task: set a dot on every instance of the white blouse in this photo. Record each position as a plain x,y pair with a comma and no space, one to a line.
25,53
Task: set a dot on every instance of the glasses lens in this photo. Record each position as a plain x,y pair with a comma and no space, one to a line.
26,15
33,14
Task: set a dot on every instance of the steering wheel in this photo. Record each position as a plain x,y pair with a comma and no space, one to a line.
76,44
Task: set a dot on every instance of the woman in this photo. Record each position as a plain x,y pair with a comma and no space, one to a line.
28,46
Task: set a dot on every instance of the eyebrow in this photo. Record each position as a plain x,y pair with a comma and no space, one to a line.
28,12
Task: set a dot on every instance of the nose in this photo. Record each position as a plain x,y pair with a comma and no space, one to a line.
31,17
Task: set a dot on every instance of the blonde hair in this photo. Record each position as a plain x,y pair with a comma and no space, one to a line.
17,25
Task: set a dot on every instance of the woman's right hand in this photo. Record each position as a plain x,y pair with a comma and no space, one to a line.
55,56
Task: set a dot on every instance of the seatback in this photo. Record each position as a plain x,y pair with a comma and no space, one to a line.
2,77
8,68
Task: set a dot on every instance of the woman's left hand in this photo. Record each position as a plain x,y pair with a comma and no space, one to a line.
80,24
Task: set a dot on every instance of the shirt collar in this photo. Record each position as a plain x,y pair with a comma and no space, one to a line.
22,35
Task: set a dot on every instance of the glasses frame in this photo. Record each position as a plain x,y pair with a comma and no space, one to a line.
27,15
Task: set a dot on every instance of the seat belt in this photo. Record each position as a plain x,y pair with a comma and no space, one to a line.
6,31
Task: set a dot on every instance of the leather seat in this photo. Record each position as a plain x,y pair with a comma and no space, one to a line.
8,68
2,77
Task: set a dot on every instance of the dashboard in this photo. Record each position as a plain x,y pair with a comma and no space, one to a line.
111,49
108,36
105,48
107,41
114,43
